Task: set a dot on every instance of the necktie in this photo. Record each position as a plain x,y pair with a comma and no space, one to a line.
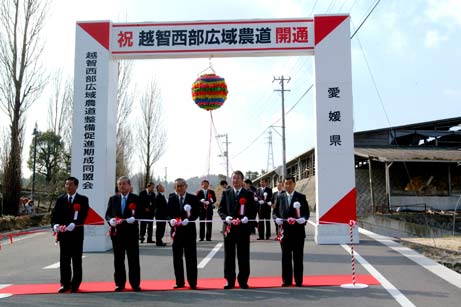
123,203
69,201
181,201
289,199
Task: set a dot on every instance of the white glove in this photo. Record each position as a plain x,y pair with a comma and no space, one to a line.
56,227
70,227
261,201
278,221
130,220
172,222
113,222
301,220
202,200
187,208
185,222
269,203
256,199
244,220
228,219
207,203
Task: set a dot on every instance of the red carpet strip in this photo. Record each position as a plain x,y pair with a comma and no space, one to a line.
203,284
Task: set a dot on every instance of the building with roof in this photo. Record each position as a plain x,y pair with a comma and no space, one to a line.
413,167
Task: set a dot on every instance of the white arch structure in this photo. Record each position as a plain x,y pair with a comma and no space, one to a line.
99,44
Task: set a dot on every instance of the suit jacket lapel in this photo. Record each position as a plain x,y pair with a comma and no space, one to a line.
286,205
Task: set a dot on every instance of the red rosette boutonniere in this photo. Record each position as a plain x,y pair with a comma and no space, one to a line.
76,210
210,197
242,202
132,207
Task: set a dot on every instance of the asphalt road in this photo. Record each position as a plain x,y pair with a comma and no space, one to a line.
403,282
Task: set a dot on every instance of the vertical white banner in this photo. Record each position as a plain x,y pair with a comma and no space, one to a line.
93,127
334,143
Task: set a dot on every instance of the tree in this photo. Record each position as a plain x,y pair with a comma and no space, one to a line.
60,119
60,109
50,157
123,132
151,131
21,81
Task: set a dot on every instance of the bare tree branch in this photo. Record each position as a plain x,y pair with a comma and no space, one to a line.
152,134
21,80
125,100
60,109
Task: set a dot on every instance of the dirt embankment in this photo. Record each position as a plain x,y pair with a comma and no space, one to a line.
446,251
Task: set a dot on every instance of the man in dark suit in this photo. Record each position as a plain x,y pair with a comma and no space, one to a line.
264,210
292,212
237,206
67,220
121,214
183,210
161,213
207,199
274,201
147,197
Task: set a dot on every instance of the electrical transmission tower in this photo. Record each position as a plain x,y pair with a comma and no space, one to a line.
226,152
270,153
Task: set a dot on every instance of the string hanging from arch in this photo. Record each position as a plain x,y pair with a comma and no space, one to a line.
209,92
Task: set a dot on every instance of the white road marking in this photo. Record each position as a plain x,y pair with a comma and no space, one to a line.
6,241
210,255
441,271
396,294
55,265
3,295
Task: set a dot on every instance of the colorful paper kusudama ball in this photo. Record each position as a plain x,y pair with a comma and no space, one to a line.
209,91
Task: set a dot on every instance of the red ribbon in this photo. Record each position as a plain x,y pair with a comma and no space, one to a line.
291,220
76,209
176,224
280,234
242,202
132,207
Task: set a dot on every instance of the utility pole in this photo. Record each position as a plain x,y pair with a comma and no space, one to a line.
226,153
270,153
166,179
284,150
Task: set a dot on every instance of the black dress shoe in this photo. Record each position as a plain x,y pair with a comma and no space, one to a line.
63,289
137,289
73,290
178,286
150,241
142,240
161,244
119,289
228,286
193,287
299,285
259,239
286,285
208,239
244,286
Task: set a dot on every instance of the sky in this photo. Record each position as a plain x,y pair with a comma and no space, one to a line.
405,69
